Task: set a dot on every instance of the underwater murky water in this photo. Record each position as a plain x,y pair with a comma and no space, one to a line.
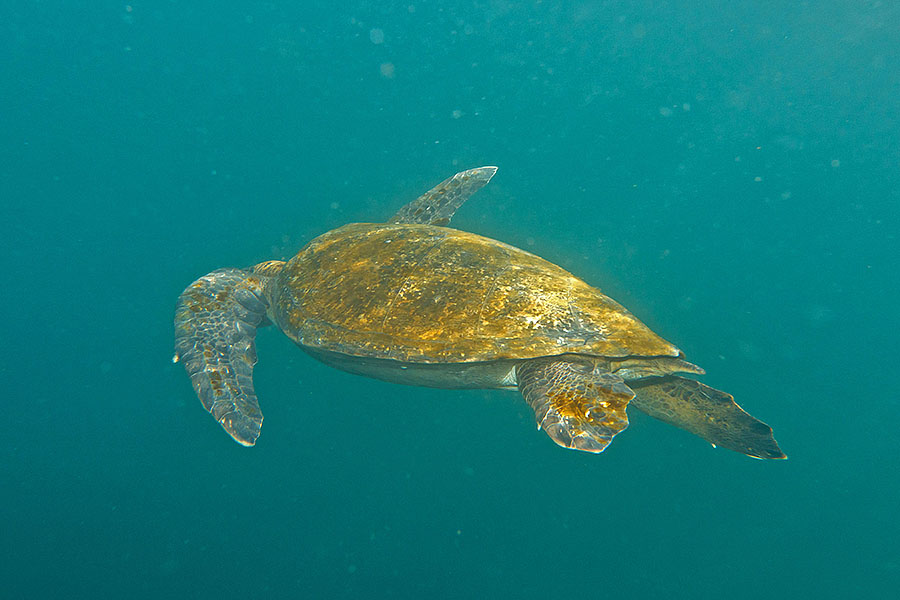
728,173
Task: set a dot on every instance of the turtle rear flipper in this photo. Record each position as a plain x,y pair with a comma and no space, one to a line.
707,412
215,325
579,405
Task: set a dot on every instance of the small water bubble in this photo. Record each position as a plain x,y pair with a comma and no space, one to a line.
749,350
820,315
376,36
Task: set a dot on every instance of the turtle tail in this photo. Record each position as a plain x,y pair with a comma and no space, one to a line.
215,325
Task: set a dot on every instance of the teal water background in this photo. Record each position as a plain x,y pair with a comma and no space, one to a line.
728,171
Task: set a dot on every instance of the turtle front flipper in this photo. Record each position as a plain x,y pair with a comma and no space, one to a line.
577,402
706,412
438,205
215,325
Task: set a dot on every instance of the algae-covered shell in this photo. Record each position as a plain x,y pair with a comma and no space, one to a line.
426,294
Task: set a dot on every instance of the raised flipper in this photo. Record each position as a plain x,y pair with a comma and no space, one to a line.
578,403
438,205
215,325
706,412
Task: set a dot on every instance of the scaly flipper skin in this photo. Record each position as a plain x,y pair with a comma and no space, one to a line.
706,412
438,205
576,401
215,325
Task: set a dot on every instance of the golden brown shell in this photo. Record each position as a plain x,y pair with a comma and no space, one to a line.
427,294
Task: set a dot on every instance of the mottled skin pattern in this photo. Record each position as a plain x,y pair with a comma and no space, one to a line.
578,402
215,326
437,206
710,413
413,302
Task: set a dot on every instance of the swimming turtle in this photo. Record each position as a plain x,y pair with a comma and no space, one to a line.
412,301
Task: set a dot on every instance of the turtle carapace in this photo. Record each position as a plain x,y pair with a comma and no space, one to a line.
412,301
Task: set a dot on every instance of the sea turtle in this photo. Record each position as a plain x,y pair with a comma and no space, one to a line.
412,301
